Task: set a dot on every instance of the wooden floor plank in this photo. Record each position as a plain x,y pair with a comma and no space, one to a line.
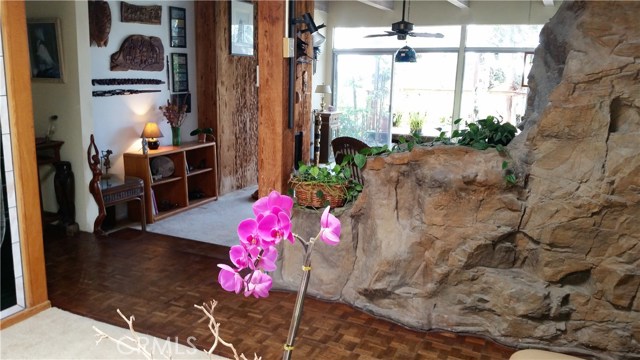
159,278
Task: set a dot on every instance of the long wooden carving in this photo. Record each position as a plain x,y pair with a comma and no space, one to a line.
99,23
139,52
151,14
126,82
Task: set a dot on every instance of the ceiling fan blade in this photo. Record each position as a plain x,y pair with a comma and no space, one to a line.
380,35
436,35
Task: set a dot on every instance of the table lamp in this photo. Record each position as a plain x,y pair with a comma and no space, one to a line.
152,132
323,89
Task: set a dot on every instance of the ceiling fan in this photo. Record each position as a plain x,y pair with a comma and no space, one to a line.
403,28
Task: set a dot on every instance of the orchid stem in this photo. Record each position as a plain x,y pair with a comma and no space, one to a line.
297,309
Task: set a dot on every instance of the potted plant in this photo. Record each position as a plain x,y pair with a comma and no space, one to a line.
202,133
416,121
318,185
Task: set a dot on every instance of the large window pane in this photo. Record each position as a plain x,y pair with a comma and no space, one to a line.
425,90
514,36
493,86
363,96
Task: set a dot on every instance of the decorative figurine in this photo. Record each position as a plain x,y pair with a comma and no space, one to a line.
145,147
106,162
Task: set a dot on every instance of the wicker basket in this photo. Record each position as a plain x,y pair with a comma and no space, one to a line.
318,195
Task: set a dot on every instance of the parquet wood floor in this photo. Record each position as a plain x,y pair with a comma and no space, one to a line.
159,278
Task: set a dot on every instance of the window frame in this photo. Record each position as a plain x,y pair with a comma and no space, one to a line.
462,51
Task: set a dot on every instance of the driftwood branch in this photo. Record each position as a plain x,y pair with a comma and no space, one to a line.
133,343
130,342
214,327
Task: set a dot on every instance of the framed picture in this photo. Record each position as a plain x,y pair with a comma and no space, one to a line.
177,27
182,99
241,28
180,72
45,50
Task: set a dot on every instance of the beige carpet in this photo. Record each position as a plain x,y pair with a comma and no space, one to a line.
57,334
215,222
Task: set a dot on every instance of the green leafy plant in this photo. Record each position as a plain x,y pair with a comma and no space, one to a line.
326,184
416,121
488,133
198,131
203,134
485,133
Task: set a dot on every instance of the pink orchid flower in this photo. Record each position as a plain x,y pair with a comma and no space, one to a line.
258,284
330,228
263,259
273,203
248,232
273,228
229,279
239,256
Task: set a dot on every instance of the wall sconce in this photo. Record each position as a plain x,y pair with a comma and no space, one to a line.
323,89
152,132
317,38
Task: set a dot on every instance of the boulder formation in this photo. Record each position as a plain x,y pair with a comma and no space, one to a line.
438,240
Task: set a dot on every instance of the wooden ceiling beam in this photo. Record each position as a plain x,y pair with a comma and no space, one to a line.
462,4
380,4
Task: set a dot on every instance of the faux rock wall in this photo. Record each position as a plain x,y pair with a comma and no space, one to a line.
438,240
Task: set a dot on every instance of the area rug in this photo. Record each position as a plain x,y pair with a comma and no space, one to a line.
215,222
57,334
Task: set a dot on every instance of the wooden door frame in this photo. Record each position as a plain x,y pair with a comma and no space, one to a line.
19,103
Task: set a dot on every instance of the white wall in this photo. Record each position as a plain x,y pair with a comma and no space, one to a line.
119,120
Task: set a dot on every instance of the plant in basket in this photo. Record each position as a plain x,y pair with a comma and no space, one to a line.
319,186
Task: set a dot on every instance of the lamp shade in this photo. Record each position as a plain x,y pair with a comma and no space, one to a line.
405,54
151,130
323,89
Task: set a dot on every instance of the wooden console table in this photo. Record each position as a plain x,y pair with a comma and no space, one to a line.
48,152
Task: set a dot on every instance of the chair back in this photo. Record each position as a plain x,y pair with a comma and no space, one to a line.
346,145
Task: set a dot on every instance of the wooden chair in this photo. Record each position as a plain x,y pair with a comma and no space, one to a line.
345,145
111,191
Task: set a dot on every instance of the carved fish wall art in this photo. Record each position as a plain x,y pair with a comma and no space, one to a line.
139,52
99,22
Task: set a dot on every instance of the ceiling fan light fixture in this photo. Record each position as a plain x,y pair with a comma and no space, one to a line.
406,54
317,39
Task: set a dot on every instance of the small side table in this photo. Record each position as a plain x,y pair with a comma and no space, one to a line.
116,190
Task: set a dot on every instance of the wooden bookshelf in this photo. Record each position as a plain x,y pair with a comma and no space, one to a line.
194,180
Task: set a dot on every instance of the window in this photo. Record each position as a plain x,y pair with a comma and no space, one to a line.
493,86
378,97
424,91
363,96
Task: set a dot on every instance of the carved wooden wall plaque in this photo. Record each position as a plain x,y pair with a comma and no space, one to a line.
139,52
140,14
99,23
